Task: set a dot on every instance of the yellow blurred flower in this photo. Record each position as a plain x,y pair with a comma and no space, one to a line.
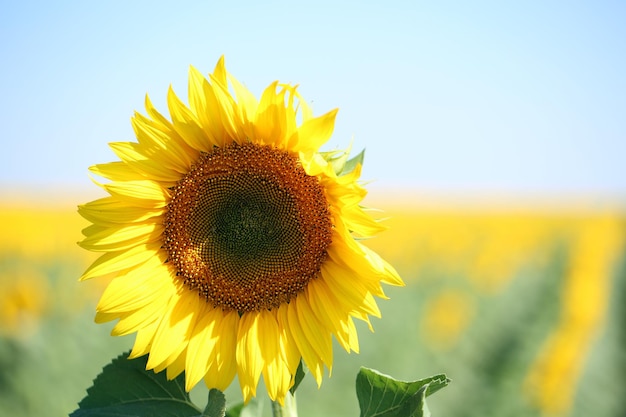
23,299
445,318
551,381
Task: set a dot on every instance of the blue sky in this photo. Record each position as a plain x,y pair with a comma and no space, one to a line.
482,96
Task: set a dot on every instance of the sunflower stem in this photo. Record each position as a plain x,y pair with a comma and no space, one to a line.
289,409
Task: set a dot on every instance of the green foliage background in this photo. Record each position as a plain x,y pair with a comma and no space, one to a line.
47,369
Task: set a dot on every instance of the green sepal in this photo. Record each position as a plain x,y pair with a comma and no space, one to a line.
383,396
338,159
216,406
300,373
125,388
352,163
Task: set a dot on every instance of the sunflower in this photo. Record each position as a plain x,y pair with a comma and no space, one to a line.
232,241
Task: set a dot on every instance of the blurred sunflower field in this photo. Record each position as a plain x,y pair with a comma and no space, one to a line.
521,305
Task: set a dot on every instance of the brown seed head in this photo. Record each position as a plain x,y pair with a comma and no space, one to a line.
247,227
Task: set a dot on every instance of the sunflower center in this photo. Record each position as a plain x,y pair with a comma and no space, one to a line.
247,227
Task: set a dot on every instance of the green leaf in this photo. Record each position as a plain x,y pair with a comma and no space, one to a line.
383,396
216,407
125,389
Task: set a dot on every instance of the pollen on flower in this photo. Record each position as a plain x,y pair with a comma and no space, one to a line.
247,227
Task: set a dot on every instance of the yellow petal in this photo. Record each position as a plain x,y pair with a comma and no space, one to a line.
388,273
247,103
197,98
148,314
105,317
249,360
225,106
291,113
329,312
351,257
309,354
270,117
201,350
141,193
206,107
134,155
186,124
315,132
110,211
121,238
219,72
275,371
224,368
143,340
315,332
112,262
163,144
174,329
136,289
346,287
361,223
119,171
291,354
176,365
